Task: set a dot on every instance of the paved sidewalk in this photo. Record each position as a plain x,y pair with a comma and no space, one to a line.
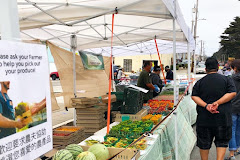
195,155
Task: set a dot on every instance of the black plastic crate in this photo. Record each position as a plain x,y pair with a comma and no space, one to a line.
133,101
116,106
120,88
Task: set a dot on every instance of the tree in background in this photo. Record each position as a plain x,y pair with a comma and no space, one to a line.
230,41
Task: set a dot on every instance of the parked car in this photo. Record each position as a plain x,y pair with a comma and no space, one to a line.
200,68
54,75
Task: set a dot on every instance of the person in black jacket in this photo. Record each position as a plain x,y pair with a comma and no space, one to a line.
156,80
169,73
234,143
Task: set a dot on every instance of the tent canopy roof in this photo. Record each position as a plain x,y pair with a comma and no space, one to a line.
91,21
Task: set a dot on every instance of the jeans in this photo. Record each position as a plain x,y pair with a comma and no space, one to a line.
234,143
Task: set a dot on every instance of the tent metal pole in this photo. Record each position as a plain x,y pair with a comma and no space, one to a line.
103,13
94,30
141,27
42,21
116,36
9,20
76,32
189,58
73,50
57,38
174,78
35,14
148,12
35,5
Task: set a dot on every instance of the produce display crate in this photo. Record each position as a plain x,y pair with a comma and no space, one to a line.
85,116
128,154
92,119
83,102
90,111
65,138
80,130
133,117
89,125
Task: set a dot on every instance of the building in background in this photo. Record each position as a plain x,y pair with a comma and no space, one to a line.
134,63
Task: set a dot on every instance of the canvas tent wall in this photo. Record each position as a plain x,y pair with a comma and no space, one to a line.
89,83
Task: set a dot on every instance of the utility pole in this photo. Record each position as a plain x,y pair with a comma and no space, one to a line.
195,36
204,51
201,50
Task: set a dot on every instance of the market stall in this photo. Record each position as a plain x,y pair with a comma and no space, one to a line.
158,144
82,25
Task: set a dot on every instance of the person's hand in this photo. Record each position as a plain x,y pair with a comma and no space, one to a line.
215,106
20,124
211,109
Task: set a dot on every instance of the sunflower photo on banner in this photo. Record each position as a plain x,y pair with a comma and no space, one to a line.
92,61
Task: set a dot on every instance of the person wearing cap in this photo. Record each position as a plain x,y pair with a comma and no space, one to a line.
156,80
169,73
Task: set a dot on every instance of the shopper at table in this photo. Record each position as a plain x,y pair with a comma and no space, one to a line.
145,82
213,94
169,73
156,80
234,143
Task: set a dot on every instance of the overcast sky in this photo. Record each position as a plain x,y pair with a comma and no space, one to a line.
218,15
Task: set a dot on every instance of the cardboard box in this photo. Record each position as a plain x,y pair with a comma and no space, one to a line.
133,117
105,98
128,154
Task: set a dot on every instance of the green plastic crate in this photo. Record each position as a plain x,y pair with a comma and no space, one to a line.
119,95
133,101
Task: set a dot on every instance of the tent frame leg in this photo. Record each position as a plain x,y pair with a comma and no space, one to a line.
9,20
174,78
73,50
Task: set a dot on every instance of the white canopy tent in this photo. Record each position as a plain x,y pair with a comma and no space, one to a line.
89,22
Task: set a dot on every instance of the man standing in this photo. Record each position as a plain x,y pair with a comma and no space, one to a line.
144,81
213,94
156,80
8,124
169,73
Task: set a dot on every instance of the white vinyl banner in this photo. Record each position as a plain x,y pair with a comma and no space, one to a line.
25,102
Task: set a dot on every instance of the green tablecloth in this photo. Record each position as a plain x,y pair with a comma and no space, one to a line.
188,108
163,147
